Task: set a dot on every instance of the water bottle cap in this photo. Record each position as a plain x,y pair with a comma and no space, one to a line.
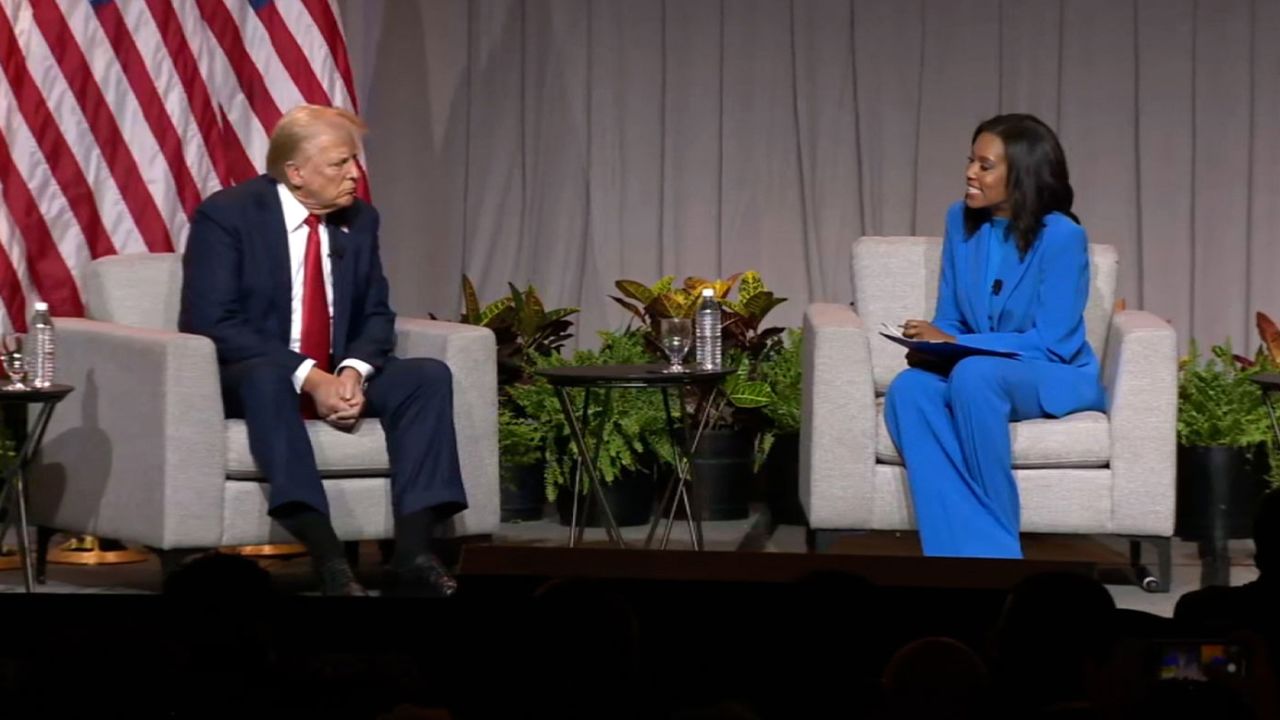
707,292
42,306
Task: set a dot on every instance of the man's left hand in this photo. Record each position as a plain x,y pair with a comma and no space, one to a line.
350,389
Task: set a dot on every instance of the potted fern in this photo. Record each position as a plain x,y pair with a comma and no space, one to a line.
633,441
1224,448
524,331
778,453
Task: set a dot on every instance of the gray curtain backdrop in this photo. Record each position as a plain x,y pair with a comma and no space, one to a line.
569,143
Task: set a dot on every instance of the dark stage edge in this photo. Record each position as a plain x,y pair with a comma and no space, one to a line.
705,626
493,562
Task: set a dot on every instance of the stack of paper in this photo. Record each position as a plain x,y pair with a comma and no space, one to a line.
938,348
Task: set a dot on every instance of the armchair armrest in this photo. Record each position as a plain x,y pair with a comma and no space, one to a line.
472,356
1140,373
137,451
838,419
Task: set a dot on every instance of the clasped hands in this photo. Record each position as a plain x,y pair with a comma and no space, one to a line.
339,399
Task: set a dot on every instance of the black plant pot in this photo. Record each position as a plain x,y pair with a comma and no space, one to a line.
630,498
1218,487
722,471
780,479
523,494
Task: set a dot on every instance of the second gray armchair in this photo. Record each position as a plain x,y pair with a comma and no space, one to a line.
1106,473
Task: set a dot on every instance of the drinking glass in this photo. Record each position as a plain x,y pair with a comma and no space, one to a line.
675,335
14,362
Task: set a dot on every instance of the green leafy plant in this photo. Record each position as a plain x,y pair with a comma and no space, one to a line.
635,434
744,342
663,299
1218,404
524,331
522,327
520,438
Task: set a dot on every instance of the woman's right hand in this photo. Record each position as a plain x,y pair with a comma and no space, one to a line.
924,330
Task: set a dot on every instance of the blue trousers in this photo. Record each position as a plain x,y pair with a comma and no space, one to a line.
953,434
412,398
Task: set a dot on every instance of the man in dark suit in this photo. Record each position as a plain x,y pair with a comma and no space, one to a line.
282,272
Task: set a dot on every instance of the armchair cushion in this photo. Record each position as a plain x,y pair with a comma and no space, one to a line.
1079,440
362,452
139,290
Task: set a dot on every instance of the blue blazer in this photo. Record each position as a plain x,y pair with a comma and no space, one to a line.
1038,313
236,283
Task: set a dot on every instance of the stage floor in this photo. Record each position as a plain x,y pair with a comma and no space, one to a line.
1108,553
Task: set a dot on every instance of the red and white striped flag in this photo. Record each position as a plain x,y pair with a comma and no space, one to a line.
117,118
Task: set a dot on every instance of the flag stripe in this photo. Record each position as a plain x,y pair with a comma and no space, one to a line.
322,14
315,50
138,146
197,92
291,55
117,118
242,167
53,146
49,272
282,88
153,108
226,32
239,122
34,172
170,88
11,283
103,126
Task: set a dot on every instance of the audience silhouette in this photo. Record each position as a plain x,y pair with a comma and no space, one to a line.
936,678
1252,606
1053,645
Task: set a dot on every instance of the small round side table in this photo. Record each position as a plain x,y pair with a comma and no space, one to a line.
607,378
13,493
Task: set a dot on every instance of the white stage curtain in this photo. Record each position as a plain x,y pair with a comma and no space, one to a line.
569,143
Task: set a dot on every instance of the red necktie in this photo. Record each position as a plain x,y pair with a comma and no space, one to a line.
315,307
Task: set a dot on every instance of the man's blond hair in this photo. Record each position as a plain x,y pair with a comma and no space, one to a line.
301,124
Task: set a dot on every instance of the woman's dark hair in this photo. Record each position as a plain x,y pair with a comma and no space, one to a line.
1037,177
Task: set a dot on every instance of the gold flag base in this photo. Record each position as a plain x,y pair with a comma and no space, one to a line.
90,550
278,550
9,558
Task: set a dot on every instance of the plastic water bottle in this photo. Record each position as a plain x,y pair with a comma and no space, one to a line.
42,347
707,331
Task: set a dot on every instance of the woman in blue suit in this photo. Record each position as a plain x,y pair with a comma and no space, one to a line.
1014,277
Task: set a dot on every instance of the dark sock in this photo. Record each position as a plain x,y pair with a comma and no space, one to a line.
313,529
413,536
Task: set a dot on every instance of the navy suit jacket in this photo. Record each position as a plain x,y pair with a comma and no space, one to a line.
236,285
1039,312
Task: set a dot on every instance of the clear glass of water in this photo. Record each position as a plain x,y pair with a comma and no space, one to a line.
675,335
15,364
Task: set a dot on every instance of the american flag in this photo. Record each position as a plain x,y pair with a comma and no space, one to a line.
117,118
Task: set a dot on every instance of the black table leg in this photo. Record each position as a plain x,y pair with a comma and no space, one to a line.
588,460
679,483
14,491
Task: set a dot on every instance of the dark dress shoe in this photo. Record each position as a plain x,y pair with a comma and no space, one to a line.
424,577
337,579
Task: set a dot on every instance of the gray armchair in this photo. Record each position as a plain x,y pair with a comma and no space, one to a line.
141,451
1095,473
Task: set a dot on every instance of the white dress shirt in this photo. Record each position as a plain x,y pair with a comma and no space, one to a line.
295,223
